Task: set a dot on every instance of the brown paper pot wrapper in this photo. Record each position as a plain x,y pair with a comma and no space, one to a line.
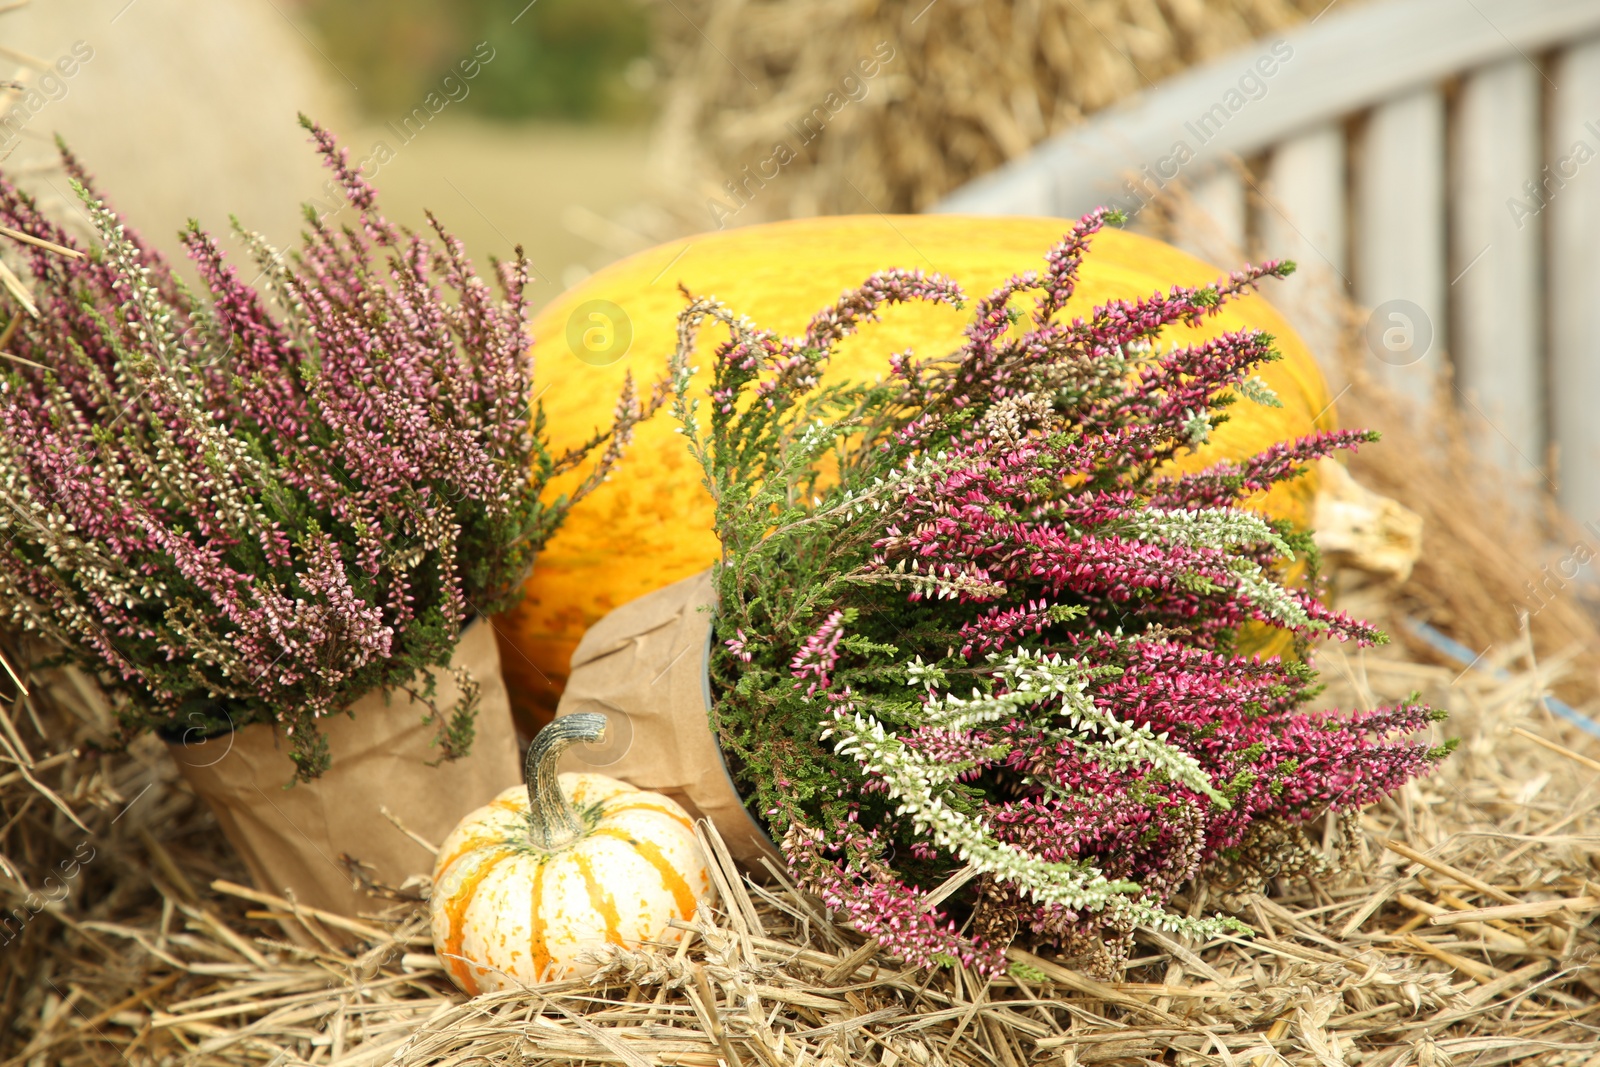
644,667
293,838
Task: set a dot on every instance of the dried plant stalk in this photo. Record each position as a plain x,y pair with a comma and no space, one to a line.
840,107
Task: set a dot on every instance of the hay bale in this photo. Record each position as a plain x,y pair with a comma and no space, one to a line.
1462,927
967,85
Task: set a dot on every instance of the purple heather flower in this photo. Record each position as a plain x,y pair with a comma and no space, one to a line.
1000,636
261,503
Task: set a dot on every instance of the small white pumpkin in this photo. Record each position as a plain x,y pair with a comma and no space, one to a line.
562,864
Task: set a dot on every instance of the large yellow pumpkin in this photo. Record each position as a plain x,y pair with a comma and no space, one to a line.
651,525
560,865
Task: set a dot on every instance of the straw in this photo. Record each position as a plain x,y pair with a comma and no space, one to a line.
1465,930
957,88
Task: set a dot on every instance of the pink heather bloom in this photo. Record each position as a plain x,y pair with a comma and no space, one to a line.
260,503
819,653
738,645
943,596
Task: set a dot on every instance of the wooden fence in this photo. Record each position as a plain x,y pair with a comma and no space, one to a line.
1437,161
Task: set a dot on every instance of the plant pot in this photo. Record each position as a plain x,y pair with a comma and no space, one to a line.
644,667
292,837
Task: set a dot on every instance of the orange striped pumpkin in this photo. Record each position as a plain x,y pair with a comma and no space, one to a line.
563,864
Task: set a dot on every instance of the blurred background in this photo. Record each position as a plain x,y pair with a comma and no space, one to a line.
590,128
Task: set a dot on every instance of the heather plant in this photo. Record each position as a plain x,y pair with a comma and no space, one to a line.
976,651
241,507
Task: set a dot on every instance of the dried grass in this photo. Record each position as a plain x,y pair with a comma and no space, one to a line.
1463,932
972,84
1499,528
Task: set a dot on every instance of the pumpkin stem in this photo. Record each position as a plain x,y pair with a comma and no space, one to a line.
550,813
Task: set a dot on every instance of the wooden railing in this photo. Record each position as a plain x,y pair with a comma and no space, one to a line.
1437,161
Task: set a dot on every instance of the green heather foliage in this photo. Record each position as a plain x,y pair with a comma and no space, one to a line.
239,507
971,628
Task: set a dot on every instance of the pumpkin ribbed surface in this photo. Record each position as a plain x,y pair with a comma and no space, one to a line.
505,912
651,524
